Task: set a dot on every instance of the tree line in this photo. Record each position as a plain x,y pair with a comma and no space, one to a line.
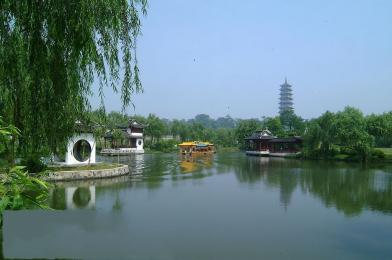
223,131
348,132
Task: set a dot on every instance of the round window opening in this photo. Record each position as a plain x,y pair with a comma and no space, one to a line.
82,150
81,197
139,142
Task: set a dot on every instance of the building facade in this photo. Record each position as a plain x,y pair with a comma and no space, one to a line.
129,140
263,143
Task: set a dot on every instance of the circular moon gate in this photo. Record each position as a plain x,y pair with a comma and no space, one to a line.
82,150
81,197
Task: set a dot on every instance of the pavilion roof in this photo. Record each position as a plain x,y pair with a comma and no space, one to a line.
134,123
261,135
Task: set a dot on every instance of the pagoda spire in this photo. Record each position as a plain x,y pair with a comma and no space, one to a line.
285,98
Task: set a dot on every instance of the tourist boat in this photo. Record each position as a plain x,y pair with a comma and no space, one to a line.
196,148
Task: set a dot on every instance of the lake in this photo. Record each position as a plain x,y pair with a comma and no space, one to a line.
227,206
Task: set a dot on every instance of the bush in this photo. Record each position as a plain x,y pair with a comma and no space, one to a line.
347,150
164,146
18,190
377,154
34,164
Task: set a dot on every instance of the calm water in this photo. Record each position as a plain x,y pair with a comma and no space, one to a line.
230,206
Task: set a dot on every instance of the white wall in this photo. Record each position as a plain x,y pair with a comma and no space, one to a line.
139,147
69,157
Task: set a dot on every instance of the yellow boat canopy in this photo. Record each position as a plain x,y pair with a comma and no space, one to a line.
196,143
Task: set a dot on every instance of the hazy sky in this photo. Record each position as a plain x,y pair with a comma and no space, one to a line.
223,57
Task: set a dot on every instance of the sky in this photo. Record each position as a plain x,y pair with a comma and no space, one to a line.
221,57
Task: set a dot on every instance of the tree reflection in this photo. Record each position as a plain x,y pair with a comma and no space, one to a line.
350,188
347,187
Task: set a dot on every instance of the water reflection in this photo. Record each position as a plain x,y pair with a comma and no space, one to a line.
73,197
350,188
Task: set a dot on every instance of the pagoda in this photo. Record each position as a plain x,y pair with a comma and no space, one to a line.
286,98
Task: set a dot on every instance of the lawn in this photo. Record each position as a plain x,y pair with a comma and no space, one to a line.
387,151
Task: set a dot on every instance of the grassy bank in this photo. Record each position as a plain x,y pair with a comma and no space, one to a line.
228,149
383,155
387,152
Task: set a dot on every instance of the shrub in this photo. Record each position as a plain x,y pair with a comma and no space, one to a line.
34,164
377,154
164,146
19,190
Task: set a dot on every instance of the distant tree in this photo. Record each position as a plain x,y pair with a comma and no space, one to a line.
203,120
346,129
244,129
118,137
97,117
197,131
380,126
312,137
350,129
224,122
327,131
179,129
320,136
292,124
225,137
274,125
115,119
155,128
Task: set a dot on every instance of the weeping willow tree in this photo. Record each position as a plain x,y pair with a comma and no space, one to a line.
51,53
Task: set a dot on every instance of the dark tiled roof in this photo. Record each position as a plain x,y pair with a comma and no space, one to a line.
124,133
267,136
81,127
261,135
135,124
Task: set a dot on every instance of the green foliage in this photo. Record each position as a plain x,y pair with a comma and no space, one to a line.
244,129
118,137
350,131
8,134
34,164
225,122
180,129
347,134
115,119
291,123
274,125
225,137
347,129
155,127
319,136
203,120
51,52
380,126
164,146
18,190
378,154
